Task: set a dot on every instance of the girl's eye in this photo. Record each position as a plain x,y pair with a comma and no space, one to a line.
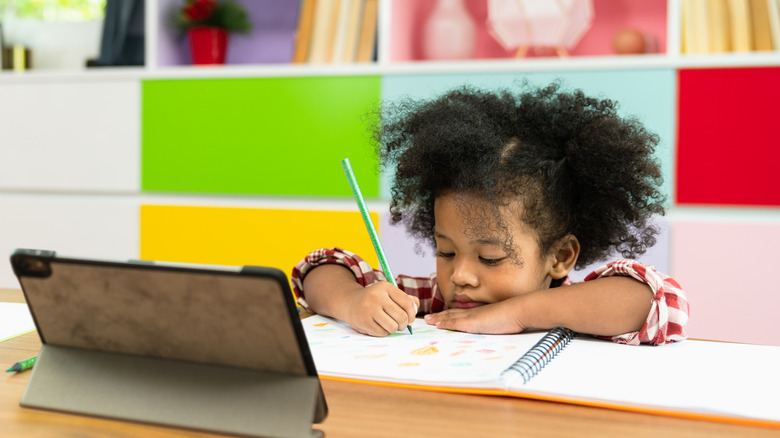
491,262
446,255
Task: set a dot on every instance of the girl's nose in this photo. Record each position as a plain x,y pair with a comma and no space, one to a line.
464,274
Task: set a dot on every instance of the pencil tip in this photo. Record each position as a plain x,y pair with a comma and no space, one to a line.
410,329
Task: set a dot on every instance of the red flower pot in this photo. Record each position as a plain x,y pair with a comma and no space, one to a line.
208,45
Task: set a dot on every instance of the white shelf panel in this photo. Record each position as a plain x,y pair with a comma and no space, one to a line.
94,226
61,136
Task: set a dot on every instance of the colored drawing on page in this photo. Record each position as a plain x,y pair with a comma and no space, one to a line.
430,355
424,331
425,351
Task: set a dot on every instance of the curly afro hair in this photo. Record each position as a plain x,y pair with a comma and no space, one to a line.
574,164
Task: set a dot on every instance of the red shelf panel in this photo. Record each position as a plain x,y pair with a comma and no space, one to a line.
728,149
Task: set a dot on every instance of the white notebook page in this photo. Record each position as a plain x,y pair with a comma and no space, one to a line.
737,380
15,320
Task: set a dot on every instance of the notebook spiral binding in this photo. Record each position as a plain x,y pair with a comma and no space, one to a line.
540,355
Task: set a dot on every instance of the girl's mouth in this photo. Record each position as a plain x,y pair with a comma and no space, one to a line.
467,304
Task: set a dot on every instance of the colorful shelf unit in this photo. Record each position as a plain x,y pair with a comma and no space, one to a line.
272,41
401,27
240,164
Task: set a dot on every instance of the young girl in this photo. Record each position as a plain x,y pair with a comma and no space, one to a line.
513,191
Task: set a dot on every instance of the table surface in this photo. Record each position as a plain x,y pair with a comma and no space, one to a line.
360,410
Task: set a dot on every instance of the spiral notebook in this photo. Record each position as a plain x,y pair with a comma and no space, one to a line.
691,379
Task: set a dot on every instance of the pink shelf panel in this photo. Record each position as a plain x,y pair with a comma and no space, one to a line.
610,16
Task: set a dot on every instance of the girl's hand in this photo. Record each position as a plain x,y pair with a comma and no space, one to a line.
380,309
497,318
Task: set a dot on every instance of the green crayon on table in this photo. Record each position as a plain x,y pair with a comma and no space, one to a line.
380,253
23,365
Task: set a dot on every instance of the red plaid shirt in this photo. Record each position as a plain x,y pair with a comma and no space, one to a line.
665,323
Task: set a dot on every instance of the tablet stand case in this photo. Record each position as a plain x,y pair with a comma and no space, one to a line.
172,393
179,346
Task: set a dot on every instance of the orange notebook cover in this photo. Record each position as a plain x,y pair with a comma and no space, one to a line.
713,381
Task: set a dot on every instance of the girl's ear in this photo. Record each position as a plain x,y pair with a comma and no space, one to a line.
565,257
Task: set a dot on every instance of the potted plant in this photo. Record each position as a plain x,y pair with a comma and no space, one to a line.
208,24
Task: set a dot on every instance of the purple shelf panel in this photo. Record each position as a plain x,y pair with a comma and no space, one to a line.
271,41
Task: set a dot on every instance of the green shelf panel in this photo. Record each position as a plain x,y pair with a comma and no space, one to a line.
270,136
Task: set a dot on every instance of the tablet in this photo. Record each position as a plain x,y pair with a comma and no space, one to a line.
206,347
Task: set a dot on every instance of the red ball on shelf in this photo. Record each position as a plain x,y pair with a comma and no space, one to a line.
632,42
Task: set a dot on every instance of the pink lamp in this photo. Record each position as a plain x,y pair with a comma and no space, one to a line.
521,24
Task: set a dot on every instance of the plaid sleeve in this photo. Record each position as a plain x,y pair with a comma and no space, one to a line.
423,288
669,311
363,272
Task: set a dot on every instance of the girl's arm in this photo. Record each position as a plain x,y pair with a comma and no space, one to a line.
607,306
625,301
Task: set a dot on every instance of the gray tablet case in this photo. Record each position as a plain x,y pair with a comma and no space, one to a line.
203,347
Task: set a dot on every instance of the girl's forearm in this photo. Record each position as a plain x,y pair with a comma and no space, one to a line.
605,306
327,289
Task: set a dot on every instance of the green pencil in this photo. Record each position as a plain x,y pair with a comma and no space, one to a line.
380,253
23,365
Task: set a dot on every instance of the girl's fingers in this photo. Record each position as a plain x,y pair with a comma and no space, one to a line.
385,324
407,304
399,315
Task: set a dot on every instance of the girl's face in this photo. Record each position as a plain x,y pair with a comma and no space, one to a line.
472,264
